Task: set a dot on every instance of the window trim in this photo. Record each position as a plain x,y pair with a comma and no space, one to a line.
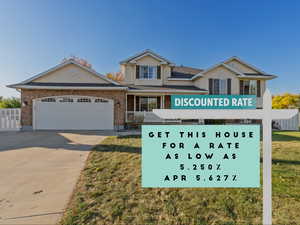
147,97
249,93
141,74
225,86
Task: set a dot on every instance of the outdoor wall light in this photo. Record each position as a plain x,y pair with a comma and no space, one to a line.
25,103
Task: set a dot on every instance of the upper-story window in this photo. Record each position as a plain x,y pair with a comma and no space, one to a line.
148,72
250,87
219,86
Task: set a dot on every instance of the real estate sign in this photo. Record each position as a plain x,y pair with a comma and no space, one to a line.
213,101
266,114
200,156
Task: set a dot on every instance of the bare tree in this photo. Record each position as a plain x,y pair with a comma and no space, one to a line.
81,61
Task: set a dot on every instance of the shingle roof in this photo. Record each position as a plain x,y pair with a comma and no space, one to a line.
184,72
258,74
166,88
73,84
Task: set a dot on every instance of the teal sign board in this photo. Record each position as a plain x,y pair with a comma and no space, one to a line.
200,156
213,101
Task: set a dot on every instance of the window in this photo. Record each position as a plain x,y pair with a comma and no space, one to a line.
249,87
84,100
148,103
66,99
100,100
218,86
48,100
148,72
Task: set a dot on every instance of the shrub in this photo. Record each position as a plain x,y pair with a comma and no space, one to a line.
10,103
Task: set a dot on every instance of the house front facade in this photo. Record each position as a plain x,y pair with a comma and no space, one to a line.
71,96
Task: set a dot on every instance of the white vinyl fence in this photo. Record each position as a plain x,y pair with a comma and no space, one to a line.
10,119
288,124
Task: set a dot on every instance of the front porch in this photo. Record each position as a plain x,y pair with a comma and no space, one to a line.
139,109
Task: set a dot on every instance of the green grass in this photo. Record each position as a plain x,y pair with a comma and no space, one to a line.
109,191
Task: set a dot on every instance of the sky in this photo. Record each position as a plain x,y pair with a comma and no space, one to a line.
37,35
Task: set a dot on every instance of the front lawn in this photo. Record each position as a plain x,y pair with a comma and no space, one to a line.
109,191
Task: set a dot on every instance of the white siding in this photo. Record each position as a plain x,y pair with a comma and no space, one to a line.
71,74
219,73
240,67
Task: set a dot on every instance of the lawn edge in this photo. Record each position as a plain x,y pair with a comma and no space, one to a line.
71,200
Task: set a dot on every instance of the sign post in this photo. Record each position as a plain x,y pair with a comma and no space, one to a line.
266,115
267,158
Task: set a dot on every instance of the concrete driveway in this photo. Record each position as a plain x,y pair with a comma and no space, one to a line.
38,171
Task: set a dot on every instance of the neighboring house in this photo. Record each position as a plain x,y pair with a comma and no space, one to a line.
71,96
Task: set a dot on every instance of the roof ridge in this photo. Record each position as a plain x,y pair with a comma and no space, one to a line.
146,51
183,66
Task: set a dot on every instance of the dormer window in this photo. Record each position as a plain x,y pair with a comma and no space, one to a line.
148,72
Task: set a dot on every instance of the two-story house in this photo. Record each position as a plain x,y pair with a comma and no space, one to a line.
72,96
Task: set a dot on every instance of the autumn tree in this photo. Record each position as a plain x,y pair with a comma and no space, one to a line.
118,76
286,101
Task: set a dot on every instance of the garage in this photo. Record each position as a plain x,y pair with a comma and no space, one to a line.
73,113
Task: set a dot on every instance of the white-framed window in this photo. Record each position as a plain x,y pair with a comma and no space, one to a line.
148,72
100,100
249,87
147,104
219,87
48,100
66,99
86,100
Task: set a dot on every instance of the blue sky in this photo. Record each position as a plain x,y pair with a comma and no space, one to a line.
36,35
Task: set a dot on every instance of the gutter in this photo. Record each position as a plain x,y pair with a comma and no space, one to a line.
187,79
65,88
166,91
260,77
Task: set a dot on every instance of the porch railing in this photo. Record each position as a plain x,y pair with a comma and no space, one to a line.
259,102
142,117
150,117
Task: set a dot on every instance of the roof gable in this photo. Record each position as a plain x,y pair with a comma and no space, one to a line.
184,72
242,66
147,60
236,72
70,72
147,52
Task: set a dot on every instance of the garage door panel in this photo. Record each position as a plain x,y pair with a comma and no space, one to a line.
74,115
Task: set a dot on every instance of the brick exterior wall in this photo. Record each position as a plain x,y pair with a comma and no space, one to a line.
117,95
130,103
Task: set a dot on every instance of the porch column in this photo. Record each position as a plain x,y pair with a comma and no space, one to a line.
134,103
167,102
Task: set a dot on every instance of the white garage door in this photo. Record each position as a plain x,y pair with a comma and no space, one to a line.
73,113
